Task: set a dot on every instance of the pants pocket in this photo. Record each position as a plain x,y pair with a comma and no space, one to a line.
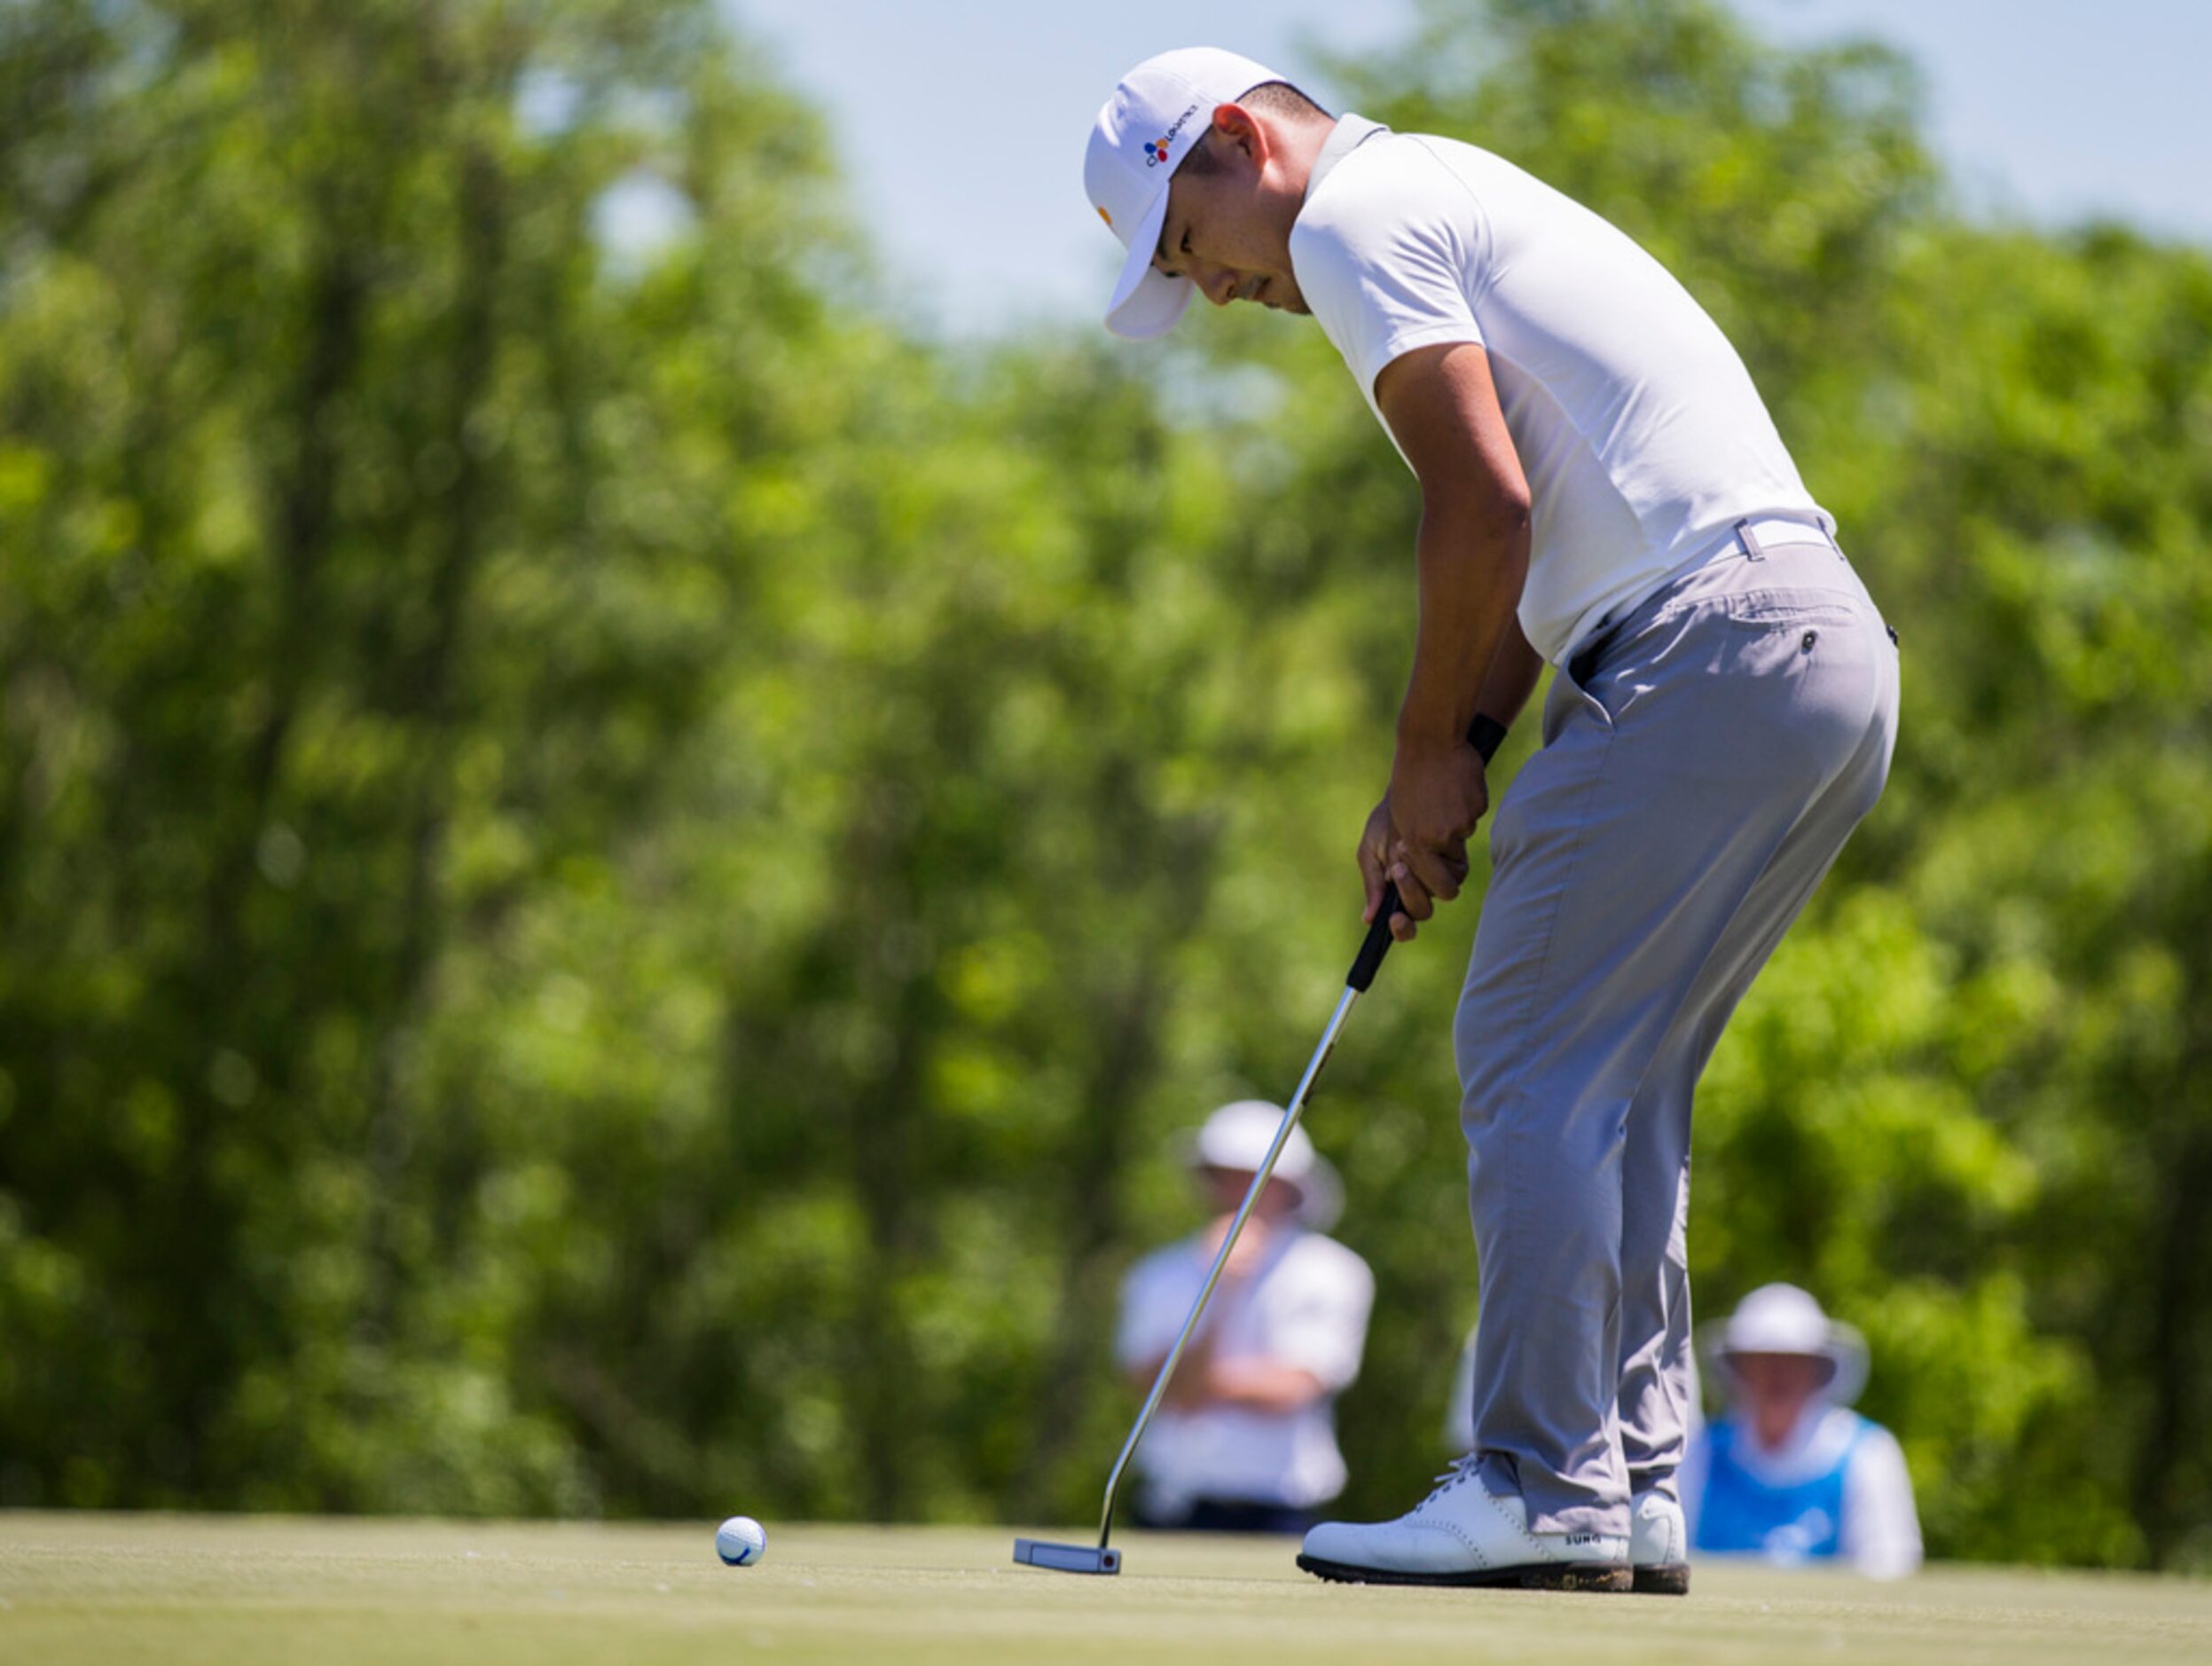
1571,700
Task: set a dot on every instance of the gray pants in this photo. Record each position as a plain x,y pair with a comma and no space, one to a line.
1703,764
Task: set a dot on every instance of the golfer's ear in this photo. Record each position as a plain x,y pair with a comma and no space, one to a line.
1234,125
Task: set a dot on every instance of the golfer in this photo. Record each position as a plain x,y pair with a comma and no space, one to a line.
1246,1439
1603,490
1791,1475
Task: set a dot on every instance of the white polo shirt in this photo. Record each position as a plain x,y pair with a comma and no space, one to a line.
1305,1305
1637,425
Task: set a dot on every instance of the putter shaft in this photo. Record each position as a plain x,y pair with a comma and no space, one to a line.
1221,1260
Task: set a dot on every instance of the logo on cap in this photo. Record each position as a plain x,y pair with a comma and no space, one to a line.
1156,152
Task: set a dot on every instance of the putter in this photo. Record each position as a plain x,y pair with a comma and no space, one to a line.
1484,736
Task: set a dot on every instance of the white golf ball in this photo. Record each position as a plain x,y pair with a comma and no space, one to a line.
741,1541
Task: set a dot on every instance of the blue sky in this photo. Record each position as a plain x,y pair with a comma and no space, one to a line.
960,123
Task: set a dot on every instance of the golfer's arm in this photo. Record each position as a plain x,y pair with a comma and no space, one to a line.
1514,670
1472,550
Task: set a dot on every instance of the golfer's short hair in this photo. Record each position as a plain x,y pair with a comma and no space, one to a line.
1270,98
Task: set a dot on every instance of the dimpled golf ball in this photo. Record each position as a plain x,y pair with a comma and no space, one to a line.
741,1541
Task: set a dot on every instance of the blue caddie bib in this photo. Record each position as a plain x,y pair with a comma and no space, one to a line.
1785,1524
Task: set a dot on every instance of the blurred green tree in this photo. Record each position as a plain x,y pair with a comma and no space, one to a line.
350,594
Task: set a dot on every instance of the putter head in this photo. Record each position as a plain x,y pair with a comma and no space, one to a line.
1067,1559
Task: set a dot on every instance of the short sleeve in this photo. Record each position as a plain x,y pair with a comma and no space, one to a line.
1388,254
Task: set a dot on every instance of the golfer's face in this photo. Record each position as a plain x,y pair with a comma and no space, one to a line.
1216,235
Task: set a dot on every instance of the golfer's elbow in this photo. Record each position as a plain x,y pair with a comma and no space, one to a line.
1494,527
1507,521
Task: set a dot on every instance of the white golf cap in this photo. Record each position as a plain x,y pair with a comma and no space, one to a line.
1162,108
1237,1137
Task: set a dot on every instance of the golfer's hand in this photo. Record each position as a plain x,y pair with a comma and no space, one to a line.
1377,841
1417,836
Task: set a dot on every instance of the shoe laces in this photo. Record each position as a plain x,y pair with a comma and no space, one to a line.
1462,1469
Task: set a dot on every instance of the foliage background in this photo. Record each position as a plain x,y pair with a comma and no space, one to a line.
615,876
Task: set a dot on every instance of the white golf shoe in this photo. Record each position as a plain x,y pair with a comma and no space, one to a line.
1463,1534
1658,1545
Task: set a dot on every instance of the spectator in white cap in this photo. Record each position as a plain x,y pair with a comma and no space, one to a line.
1791,1475
1603,488
1246,1438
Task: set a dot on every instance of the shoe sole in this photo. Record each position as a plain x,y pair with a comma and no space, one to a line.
1663,1579
1606,1577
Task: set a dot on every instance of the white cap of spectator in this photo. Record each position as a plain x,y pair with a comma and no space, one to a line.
1784,1319
1237,1137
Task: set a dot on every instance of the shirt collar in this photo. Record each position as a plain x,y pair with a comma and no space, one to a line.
1350,133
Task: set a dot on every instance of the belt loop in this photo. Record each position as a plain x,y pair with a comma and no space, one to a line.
1749,540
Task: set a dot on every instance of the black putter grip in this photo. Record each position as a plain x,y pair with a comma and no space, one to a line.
1484,735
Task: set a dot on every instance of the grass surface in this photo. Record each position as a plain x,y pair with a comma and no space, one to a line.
247,1590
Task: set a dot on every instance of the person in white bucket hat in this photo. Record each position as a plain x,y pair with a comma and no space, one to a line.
1246,1439
1602,489
1791,1475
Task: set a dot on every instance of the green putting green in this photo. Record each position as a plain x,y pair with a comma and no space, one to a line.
242,1590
